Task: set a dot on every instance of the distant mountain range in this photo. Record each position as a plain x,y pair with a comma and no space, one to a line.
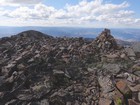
123,34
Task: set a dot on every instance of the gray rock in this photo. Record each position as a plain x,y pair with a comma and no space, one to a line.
139,96
136,47
113,68
24,97
106,84
58,72
44,102
2,80
130,53
76,103
104,101
40,90
137,73
132,78
68,103
12,102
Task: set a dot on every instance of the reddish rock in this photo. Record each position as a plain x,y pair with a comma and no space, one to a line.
123,87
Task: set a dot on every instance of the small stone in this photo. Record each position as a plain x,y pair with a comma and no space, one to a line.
68,103
76,103
58,72
20,66
24,97
84,103
10,65
132,102
44,102
104,101
40,91
123,56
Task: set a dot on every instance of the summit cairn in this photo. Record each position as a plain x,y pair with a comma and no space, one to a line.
105,41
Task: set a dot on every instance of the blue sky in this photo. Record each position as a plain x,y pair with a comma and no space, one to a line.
61,3
70,13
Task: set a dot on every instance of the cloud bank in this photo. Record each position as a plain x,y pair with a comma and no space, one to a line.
94,13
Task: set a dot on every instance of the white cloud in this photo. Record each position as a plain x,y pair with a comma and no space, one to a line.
40,11
18,2
3,12
85,12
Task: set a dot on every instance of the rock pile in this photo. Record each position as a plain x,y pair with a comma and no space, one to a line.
106,42
37,69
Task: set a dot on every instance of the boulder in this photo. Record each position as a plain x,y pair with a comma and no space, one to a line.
123,88
136,69
130,53
106,86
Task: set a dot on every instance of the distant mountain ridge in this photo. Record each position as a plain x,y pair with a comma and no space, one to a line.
123,34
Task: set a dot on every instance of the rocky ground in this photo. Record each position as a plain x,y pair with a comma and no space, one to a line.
37,69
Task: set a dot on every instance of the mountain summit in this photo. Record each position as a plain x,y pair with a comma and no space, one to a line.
33,33
37,69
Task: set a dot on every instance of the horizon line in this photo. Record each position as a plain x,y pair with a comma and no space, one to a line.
75,27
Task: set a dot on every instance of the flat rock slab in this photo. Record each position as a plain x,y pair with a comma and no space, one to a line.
113,68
